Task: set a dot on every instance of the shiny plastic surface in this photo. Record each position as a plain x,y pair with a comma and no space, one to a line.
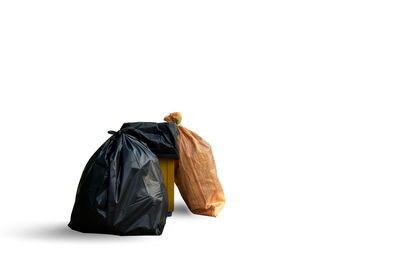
161,138
121,190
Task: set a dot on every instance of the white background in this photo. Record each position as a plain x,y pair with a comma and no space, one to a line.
299,100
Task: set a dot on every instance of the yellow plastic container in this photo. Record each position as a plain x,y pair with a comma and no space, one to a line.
167,168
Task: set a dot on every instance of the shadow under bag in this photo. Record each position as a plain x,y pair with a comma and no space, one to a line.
121,190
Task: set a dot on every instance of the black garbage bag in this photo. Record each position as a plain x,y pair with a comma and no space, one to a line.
161,138
121,190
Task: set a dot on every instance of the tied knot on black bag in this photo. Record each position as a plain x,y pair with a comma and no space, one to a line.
130,131
118,133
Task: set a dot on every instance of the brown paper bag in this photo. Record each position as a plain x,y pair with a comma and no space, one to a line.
196,173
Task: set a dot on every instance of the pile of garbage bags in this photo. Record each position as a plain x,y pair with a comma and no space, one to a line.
122,190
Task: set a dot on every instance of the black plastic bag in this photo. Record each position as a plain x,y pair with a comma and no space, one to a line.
161,138
121,190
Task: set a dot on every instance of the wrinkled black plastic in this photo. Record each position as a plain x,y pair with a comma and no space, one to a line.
161,138
121,190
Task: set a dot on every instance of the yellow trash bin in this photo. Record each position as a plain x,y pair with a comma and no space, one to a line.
167,168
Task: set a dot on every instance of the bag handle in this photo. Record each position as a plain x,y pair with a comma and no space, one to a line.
123,131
